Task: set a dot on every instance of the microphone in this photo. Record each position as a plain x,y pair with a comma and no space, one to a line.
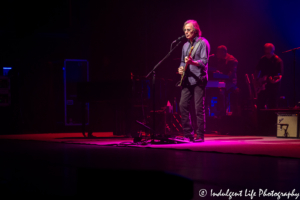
180,38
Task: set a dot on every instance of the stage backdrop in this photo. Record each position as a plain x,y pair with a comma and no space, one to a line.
123,37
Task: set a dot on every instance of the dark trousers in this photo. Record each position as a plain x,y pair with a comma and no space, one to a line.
187,93
268,97
267,120
233,101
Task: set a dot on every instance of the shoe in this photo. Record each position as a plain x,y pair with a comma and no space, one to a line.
199,138
183,139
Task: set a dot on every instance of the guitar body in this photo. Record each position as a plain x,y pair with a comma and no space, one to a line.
183,75
260,83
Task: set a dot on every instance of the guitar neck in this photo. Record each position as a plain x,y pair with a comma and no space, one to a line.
185,67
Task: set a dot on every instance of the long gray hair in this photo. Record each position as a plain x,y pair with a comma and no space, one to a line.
195,26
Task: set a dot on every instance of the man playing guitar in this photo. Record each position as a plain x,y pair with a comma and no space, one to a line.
268,74
194,80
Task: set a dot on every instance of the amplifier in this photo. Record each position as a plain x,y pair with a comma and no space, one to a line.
287,125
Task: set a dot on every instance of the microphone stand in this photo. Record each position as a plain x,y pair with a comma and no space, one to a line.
294,80
153,86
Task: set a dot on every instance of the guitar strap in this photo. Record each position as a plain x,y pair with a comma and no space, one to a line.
196,47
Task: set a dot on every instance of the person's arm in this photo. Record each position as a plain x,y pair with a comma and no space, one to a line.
203,52
232,70
231,66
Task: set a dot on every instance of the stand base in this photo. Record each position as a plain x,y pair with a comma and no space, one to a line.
159,140
163,140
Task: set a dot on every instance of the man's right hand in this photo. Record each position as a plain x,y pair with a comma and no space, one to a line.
180,70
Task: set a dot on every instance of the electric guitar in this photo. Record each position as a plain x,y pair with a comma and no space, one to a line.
260,83
184,69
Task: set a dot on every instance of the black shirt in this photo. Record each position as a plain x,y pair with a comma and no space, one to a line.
270,66
227,66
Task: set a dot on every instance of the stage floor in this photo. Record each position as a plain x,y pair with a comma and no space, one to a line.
248,145
49,163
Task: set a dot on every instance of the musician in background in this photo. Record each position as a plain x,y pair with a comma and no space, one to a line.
195,80
269,73
226,64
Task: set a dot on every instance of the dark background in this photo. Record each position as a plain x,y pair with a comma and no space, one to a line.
120,37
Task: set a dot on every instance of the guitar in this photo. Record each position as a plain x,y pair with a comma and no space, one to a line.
185,68
260,83
252,100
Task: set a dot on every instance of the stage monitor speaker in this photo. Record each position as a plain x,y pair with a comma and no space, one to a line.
287,125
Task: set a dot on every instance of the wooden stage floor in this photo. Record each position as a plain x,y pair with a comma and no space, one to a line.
249,145
49,163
